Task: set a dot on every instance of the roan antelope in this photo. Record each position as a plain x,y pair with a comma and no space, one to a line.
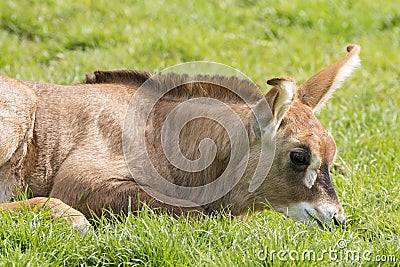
65,143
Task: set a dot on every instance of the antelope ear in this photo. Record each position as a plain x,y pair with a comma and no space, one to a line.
280,97
317,90
277,101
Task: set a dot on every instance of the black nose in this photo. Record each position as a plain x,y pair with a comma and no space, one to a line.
339,221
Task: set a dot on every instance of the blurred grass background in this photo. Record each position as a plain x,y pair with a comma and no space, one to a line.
60,41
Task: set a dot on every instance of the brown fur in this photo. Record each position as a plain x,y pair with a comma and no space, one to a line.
73,150
212,86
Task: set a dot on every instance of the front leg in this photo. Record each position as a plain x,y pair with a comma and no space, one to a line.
117,197
96,187
58,210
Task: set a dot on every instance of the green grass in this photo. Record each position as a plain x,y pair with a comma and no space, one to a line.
59,41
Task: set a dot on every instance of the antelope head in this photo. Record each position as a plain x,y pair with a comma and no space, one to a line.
299,182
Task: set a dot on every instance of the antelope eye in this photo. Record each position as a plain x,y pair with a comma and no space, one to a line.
300,157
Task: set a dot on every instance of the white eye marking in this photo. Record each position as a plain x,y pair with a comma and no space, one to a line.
310,177
311,173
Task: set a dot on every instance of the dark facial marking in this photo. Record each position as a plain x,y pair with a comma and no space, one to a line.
324,180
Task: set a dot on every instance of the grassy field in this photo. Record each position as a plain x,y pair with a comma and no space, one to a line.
59,41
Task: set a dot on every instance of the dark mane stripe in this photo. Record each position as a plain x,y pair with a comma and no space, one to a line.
128,77
226,89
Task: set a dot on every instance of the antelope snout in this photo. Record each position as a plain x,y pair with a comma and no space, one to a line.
328,213
320,214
